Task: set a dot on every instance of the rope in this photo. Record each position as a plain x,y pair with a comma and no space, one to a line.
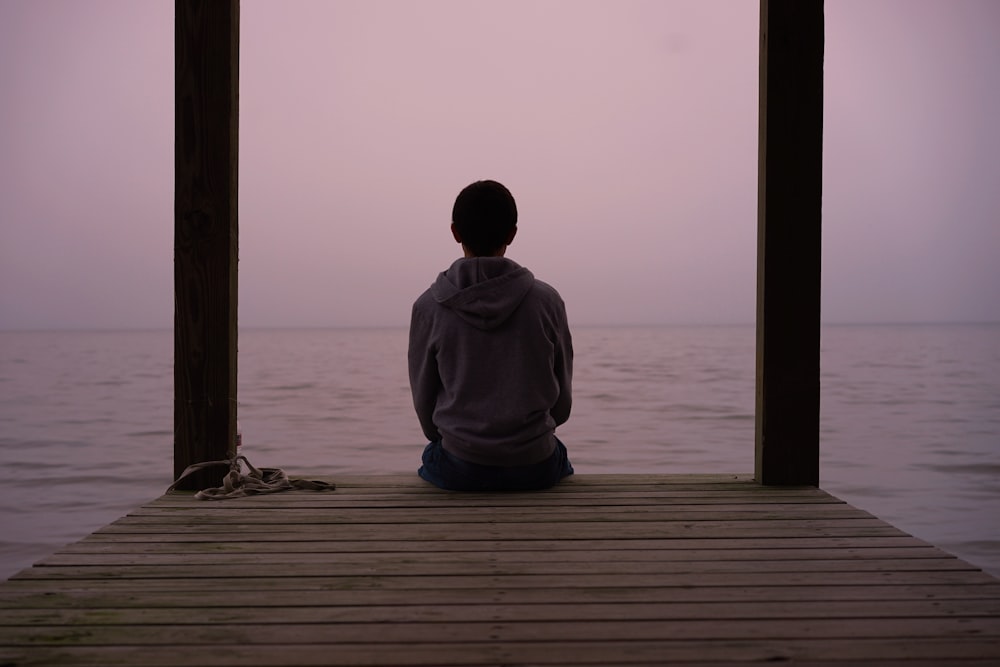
237,484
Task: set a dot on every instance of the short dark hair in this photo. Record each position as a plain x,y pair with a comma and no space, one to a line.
484,215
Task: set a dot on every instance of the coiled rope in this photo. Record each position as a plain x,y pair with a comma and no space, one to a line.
237,484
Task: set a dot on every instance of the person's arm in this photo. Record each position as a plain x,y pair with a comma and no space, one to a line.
425,382
563,369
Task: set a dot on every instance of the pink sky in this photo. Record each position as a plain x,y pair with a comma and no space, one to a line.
626,130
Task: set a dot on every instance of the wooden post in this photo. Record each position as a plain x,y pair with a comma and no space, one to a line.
790,175
206,233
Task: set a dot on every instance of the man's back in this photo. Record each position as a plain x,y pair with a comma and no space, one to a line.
490,359
491,362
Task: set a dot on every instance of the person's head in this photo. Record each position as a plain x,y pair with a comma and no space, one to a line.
484,218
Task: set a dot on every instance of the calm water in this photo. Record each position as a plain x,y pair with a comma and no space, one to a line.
910,419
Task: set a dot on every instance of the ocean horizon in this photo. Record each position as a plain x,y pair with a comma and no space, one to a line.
168,328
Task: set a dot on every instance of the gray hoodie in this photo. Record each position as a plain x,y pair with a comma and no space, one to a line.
491,362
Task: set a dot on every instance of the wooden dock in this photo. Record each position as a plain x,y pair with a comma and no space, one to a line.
602,570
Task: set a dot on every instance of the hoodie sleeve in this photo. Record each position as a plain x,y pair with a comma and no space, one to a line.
425,381
563,369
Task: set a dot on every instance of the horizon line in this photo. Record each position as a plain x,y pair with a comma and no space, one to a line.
580,325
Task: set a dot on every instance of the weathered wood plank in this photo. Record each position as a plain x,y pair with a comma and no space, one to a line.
680,499
407,484
95,594
177,542
171,612
416,632
340,516
220,579
496,531
252,554
440,652
411,486
303,552
404,566
642,499
614,481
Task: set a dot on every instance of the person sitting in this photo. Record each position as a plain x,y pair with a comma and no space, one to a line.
490,360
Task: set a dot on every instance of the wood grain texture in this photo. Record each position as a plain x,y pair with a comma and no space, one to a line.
206,234
390,571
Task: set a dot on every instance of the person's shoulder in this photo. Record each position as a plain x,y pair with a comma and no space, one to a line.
547,296
425,302
425,299
546,290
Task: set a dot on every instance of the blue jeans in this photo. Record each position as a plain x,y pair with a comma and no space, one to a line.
447,471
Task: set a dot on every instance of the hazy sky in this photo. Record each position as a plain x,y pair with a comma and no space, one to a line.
626,130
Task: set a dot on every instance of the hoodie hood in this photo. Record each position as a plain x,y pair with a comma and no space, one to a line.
483,291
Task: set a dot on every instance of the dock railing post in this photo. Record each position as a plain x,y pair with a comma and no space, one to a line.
790,186
206,85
